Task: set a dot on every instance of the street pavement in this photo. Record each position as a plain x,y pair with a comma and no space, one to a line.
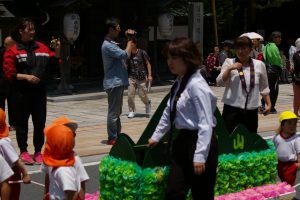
90,111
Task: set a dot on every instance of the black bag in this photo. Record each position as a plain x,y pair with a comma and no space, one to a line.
273,69
296,72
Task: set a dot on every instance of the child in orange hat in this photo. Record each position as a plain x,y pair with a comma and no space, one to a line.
8,151
60,161
84,177
287,145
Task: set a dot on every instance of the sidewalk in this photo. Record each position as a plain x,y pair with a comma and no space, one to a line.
90,112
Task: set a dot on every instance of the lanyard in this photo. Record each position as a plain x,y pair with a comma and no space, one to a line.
243,81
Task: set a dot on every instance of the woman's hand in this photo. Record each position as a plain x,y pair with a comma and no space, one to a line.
268,104
199,168
267,110
151,143
236,65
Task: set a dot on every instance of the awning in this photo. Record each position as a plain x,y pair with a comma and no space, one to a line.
4,12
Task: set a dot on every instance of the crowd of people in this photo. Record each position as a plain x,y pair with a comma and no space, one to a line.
250,76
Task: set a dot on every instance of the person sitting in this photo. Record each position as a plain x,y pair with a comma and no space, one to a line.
213,65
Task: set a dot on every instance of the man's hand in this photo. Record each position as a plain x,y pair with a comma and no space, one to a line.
199,168
32,79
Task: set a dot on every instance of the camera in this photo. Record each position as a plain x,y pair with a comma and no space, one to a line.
131,35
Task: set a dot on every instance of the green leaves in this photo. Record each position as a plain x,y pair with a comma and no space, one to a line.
246,170
121,179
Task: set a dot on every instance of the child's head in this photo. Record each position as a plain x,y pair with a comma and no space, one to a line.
60,141
3,125
288,123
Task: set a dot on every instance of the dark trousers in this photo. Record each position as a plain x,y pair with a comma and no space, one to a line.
273,80
233,116
182,177
34,104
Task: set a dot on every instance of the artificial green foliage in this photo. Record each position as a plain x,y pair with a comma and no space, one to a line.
126,180
121,179
245,170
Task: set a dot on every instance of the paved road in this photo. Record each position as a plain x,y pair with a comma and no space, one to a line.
90,111
34,191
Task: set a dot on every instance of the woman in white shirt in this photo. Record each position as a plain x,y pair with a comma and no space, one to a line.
244,79
191,110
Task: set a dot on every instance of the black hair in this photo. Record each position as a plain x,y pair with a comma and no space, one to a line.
111,22
243,41
20,25
186,49
275,34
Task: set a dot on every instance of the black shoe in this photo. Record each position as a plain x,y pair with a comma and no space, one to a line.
273,111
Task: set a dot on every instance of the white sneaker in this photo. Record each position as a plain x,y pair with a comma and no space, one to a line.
148,107
131,115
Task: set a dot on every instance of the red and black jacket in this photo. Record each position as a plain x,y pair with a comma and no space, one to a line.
33,59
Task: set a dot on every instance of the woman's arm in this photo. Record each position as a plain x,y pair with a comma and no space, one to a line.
268,104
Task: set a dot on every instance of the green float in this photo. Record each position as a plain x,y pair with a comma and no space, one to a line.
245,160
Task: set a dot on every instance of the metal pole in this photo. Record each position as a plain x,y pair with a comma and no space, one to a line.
213,2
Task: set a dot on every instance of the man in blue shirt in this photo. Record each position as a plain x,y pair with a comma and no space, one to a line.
115,75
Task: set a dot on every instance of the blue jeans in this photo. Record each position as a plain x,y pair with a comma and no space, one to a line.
115,103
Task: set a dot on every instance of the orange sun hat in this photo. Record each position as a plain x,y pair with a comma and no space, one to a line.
62,121
58,150
3,126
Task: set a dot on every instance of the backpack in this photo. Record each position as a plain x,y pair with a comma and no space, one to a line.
296,73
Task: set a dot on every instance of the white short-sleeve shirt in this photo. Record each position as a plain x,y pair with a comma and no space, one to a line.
65,178
80,169
234,95
8,151
287,149
5,170
61,179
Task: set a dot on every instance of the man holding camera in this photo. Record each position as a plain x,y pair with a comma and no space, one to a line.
115,75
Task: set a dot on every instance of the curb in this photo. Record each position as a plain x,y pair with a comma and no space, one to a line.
98,95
